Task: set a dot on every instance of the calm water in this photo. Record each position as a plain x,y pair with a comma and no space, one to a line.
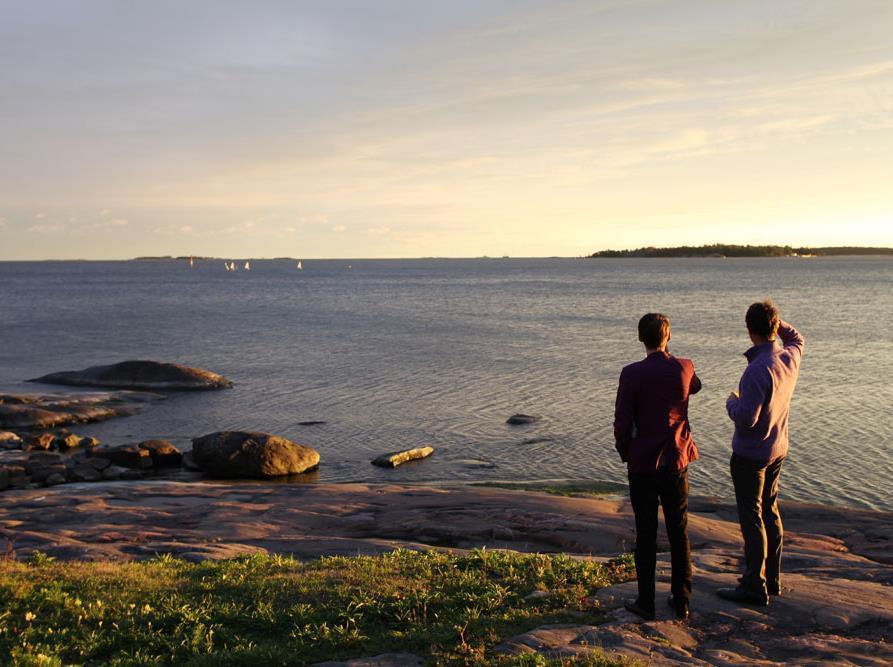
395,354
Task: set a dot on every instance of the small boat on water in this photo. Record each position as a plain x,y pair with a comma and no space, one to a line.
247,266
191,262
300,266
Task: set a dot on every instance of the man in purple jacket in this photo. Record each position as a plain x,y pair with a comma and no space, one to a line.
760,410
653,437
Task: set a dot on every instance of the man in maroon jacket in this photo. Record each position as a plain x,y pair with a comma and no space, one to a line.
653,437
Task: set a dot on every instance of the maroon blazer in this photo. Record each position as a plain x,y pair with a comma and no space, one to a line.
651,428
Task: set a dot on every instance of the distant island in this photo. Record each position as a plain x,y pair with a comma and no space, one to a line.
721,250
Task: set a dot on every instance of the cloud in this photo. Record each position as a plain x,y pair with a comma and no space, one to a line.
3,222
45,229
40,216
378,231
686,140
339,229
173,229
321,218
796,124
120,222
104,212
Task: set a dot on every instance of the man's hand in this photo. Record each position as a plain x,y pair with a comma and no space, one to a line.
732,395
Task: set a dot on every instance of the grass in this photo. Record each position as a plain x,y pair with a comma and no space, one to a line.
275,610
574,489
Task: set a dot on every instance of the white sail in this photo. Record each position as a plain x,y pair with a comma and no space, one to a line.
300,266
247,266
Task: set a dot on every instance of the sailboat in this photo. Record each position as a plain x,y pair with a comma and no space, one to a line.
247,266
300,266
191,263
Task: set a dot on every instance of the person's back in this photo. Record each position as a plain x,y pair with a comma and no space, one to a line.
653,437
762,408
653,397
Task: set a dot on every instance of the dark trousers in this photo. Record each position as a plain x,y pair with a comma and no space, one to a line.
756,494
668,488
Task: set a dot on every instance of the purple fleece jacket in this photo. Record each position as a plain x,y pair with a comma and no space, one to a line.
761,410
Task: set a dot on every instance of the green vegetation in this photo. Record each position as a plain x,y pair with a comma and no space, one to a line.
274,610
724,250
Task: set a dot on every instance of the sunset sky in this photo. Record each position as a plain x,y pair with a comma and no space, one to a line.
377,128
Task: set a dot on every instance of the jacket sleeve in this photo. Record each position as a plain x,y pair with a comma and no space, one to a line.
745,409
624,416
695,385
792,339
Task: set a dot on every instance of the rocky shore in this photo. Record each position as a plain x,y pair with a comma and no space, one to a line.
836,606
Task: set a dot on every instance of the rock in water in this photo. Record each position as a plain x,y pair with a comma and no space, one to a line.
10,440
43,411
128,456
258,455
139,375
518,419
394,459
163,453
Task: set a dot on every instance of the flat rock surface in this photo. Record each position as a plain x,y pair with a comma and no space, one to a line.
836,606
43,411
140,374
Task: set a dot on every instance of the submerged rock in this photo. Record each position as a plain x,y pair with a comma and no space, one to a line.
139,375
257,455
47,411
520,418
394,459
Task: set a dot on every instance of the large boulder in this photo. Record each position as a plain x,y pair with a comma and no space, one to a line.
256,455
139,375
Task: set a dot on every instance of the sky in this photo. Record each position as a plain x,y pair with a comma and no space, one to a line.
378,128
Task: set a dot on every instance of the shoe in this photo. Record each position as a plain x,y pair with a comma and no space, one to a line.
771,589
639,610
681,607
741,594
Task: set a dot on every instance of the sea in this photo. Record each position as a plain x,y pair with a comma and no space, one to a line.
393,354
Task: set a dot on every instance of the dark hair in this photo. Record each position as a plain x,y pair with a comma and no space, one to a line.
654,329
762,319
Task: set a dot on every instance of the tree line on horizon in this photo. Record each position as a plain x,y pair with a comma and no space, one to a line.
728,250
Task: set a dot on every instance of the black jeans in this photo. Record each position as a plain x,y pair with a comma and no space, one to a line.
756,494
669,488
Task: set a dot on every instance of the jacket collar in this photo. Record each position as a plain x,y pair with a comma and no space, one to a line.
763,348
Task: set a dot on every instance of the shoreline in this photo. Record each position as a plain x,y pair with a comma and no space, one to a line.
837,602
491,514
